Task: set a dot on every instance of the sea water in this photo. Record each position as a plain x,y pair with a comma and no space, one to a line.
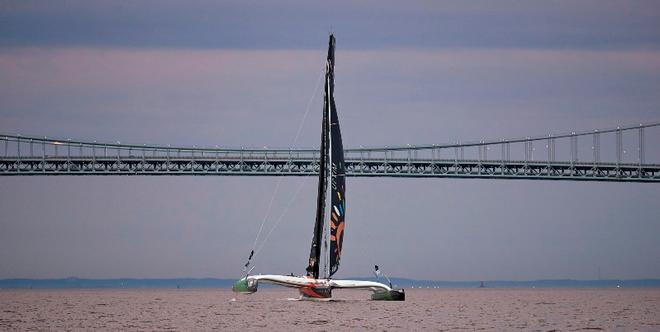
271,309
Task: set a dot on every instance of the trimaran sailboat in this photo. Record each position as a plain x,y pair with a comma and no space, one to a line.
312,285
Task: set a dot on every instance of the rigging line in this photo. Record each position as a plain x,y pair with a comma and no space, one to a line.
309,104
270,205
286,209
279,179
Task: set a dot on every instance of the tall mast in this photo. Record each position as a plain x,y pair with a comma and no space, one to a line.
329,86
315,251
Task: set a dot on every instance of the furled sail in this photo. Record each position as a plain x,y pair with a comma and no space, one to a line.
337,171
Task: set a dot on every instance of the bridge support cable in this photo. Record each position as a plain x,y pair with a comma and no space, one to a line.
619,146
641,146
641,151
596,147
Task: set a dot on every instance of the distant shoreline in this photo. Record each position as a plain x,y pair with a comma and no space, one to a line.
190,283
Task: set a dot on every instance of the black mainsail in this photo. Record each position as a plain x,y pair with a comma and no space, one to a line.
331,151
315,251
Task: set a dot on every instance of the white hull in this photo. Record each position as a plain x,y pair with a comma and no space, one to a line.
298,282
316,289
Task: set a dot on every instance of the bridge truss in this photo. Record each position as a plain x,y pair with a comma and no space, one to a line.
500,159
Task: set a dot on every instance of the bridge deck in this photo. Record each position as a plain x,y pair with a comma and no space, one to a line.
306,166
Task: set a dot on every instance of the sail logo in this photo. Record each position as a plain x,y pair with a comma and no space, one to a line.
333,177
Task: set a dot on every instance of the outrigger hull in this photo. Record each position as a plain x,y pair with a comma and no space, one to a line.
392,295
319,289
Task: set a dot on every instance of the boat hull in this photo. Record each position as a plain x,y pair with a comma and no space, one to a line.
319,289
391,295
245,285
316,292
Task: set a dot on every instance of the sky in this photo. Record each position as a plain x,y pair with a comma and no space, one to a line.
242,73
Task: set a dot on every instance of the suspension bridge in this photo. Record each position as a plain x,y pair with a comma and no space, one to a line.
577,156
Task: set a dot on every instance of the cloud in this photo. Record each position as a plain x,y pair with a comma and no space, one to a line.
181,91
303,24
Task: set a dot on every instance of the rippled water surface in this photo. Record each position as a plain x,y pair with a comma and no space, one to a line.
274,309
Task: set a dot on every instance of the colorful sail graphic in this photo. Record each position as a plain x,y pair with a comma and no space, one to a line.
338,203
337,170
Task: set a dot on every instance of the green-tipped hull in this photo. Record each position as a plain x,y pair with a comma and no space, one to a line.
392,295
245,286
